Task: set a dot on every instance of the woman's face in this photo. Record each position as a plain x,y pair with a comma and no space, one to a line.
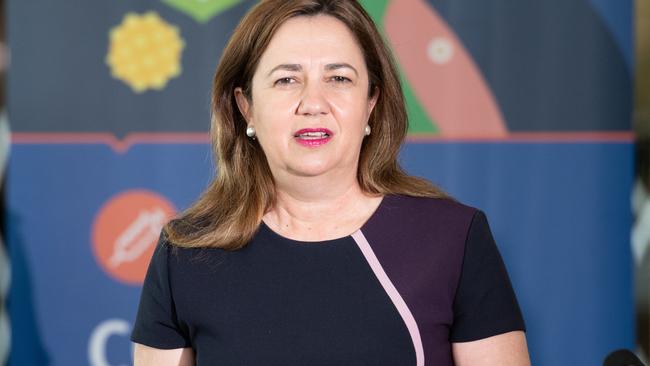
310,100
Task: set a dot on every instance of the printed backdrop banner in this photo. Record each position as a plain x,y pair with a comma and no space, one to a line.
520,108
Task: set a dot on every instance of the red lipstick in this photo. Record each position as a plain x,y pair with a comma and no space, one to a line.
313,137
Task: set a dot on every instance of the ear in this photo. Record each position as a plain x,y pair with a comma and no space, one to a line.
373,100
243,104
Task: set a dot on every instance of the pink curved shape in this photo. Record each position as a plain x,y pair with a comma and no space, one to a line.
394,295
450,87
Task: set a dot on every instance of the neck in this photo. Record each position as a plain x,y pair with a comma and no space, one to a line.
319,208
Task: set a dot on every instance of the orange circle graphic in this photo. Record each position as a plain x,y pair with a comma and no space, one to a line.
125,233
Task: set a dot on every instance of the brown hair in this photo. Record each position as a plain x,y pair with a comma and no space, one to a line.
230,210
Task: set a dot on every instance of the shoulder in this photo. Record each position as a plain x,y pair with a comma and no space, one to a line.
422,210
173,256
428,229
431,227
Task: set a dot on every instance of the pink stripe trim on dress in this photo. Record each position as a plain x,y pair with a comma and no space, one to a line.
392,292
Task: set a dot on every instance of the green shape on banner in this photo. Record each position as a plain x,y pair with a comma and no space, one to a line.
419,120
202,10
376,9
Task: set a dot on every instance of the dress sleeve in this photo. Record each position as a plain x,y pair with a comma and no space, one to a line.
156,324
485,303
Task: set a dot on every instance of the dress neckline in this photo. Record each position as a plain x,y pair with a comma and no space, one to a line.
264,227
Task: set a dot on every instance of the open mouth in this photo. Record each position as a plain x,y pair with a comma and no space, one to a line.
313,136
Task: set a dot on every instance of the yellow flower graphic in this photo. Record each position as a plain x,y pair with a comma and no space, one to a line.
144,51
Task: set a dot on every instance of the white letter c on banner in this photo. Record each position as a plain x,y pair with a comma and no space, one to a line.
99,337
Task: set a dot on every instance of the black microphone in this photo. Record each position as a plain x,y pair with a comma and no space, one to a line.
622,357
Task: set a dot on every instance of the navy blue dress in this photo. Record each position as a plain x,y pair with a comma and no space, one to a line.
420,274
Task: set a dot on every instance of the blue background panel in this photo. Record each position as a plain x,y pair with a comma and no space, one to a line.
559,212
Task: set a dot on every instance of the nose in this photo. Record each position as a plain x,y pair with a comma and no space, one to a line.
312,101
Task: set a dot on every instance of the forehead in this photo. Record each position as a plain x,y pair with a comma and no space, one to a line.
312,39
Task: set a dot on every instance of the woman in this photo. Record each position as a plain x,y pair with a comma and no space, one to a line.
312,246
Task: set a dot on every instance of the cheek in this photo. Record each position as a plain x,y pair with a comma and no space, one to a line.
272,128
272,106
351,111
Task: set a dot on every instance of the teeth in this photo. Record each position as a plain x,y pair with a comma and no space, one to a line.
313,135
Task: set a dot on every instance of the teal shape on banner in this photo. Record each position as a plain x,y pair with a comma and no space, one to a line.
202,10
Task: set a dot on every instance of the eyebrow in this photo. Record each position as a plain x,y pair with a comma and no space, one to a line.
328,67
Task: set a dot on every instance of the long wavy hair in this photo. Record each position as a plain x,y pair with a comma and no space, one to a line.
230,210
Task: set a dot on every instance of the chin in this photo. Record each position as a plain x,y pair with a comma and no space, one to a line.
311,169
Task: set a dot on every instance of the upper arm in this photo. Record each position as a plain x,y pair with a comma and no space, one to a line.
145,356
157,322
485,303
507,349
488,326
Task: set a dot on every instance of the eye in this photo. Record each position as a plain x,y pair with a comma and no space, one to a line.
284,81
340,79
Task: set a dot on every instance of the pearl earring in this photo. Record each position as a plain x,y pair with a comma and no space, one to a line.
367,130
250,131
